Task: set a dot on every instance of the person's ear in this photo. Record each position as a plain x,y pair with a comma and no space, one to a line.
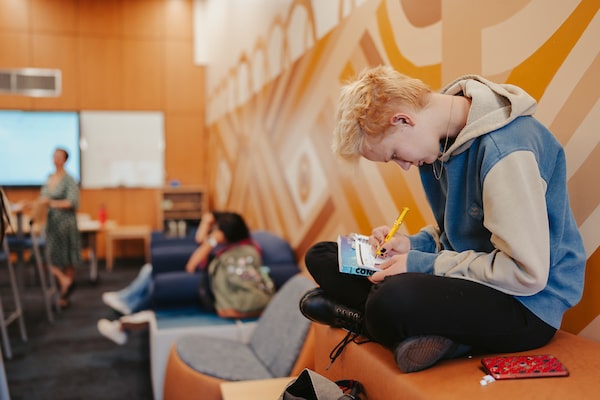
400,119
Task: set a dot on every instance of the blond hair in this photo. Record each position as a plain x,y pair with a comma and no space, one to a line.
366,105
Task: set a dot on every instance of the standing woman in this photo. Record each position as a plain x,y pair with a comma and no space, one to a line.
61,194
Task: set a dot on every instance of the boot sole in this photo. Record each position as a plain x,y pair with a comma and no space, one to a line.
421,352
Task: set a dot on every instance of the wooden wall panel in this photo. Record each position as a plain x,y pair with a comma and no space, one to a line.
18,195
184,89
143,70
60,52
177,22
14,15
100,73
15,102
53,16
138,207
15,53
185,158
144,18
100,18
15,49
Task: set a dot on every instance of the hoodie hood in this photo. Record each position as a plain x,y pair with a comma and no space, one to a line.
493,106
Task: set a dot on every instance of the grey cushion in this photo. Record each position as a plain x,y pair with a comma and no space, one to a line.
273,348
222,358
281,330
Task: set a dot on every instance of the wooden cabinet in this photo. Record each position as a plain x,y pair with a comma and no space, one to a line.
178,204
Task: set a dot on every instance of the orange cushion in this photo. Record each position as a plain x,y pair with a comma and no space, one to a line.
373,365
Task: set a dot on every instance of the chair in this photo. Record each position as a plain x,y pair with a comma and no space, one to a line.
17,314
50,292
281,345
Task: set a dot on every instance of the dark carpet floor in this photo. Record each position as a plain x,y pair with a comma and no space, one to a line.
69,359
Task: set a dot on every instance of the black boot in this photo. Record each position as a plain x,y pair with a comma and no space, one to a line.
316,306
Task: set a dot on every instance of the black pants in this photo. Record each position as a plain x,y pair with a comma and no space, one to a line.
414,304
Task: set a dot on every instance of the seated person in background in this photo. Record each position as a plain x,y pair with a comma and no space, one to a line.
217,233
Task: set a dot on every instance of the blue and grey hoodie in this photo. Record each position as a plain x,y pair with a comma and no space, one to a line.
501,206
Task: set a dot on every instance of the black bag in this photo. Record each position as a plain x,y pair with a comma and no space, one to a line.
311,386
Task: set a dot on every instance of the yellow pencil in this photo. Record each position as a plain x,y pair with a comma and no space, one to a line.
394,229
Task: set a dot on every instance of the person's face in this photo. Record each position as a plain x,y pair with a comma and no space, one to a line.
59,158
403,144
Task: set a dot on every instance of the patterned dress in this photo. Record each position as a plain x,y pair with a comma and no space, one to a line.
62,234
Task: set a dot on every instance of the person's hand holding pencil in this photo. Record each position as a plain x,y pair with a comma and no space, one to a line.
381,250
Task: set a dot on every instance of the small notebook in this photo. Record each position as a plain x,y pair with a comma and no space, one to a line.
355,255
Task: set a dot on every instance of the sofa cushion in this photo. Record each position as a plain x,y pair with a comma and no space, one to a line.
221,358
276,250
169,258
176,289
278,255
281,329
374,366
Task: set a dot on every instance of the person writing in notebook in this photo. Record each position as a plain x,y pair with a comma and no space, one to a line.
505,259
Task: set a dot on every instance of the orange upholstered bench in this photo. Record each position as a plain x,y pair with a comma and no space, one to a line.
183,382
373,365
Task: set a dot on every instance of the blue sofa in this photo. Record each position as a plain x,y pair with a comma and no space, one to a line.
173,287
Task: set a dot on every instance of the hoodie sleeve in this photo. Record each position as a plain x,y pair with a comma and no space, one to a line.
427,240
515,214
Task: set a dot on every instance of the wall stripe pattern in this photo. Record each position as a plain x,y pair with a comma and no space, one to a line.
270,115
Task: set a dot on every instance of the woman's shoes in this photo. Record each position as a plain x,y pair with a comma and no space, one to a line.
64,300
64,303
70,289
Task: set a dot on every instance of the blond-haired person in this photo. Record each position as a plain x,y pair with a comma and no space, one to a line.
505,259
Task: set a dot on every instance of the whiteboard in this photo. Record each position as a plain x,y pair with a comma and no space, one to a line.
122,149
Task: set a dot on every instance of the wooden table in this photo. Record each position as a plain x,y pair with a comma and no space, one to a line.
89,229
254,390
126,232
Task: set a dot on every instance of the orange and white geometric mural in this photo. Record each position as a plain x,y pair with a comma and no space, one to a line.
274,69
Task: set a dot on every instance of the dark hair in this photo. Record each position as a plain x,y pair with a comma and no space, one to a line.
232,225
65,152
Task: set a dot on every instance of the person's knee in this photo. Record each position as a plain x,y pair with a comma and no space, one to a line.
388,306
319,252
392,293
